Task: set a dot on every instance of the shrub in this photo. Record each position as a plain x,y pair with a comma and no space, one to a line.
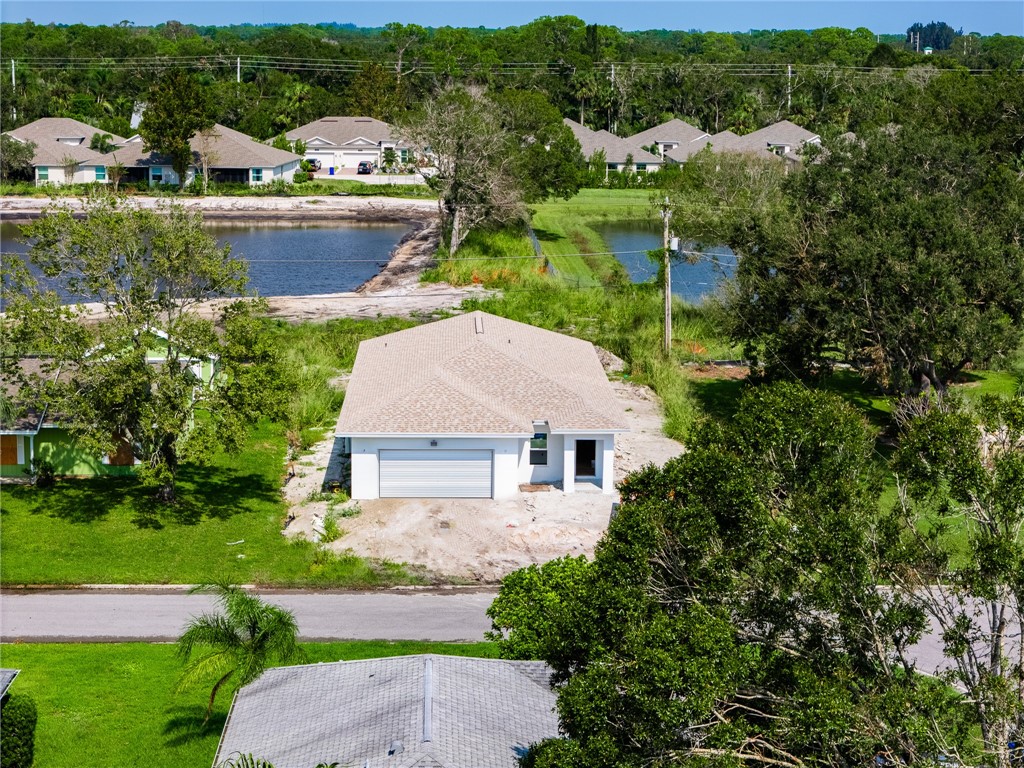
300,177
42,473
18,731
332,532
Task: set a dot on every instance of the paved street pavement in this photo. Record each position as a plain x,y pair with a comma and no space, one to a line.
114,615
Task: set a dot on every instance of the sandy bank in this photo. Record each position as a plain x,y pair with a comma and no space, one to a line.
329,207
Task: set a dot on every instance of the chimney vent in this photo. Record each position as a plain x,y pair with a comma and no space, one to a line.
478,323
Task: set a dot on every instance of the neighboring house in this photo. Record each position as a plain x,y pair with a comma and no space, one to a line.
62,146
35,431
344,142
619,154
783,139
475,405
421,711
231,156
676,139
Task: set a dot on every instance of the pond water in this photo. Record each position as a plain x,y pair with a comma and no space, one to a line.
291,258
691,282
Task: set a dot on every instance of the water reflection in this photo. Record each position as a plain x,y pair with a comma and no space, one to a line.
692,282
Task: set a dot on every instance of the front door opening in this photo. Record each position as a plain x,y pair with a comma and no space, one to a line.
586,458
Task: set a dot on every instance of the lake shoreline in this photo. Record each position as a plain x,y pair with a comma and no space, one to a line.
252,209
395,290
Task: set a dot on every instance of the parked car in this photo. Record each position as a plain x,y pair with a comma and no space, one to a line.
315,163
364,167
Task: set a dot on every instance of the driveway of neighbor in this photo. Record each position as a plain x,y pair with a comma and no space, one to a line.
482,539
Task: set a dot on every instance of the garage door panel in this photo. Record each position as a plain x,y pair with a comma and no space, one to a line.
436,474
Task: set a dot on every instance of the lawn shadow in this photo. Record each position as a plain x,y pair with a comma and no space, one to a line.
186,725
216,492
211,492
547,236
84,500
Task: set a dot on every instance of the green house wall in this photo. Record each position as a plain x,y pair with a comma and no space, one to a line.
59,448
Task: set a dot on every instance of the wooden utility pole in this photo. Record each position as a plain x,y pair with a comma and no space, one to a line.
666,216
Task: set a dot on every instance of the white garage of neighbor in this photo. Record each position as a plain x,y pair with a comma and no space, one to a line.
473,407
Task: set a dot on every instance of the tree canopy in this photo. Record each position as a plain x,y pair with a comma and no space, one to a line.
178,108
735,611
491,155
149,271
898,251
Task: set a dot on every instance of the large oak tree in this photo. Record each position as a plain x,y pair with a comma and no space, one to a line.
150,271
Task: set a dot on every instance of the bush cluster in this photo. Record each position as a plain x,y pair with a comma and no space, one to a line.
18,731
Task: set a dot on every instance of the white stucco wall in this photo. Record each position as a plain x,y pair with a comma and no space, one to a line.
286,171
604,461
552,472
57,177
366,460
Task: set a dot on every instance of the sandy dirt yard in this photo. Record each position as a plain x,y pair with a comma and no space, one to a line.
477,539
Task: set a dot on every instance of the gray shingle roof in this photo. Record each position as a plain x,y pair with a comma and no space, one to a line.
230,148
674,130
477,374
783,133
342,130
428,710
46,133
6,678
615,148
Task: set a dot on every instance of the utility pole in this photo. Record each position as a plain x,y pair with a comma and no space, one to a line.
238,69
789,87
14,109
611,125
666,216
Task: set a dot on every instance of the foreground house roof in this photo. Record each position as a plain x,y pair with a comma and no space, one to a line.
477,374
409,711
340,131
615,149
6,678
59,137
228,148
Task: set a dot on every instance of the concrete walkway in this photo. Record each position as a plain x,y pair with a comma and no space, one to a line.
160,614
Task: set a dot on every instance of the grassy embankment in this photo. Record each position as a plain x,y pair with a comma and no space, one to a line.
588,293
227,523
114,704
319,186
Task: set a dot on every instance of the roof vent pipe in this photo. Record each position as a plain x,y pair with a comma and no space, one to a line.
428,698
478,322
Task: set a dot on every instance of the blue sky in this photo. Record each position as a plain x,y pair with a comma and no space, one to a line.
880,16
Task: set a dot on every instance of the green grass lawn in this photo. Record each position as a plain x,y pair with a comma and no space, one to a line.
227,523
563,228
225,527
103,705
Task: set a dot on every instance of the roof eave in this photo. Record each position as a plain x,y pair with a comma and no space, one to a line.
434,435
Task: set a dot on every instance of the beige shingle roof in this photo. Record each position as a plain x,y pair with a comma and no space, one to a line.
230,148
477,374
342,130
46,133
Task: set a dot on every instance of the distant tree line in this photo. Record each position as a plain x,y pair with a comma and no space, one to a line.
608,78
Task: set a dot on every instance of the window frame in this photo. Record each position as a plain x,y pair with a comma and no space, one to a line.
256,175
536,452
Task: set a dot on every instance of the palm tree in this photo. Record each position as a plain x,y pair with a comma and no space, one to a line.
241,641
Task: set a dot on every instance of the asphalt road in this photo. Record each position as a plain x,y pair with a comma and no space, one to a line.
121,615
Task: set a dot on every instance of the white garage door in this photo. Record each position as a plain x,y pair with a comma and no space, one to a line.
352,159
436,474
